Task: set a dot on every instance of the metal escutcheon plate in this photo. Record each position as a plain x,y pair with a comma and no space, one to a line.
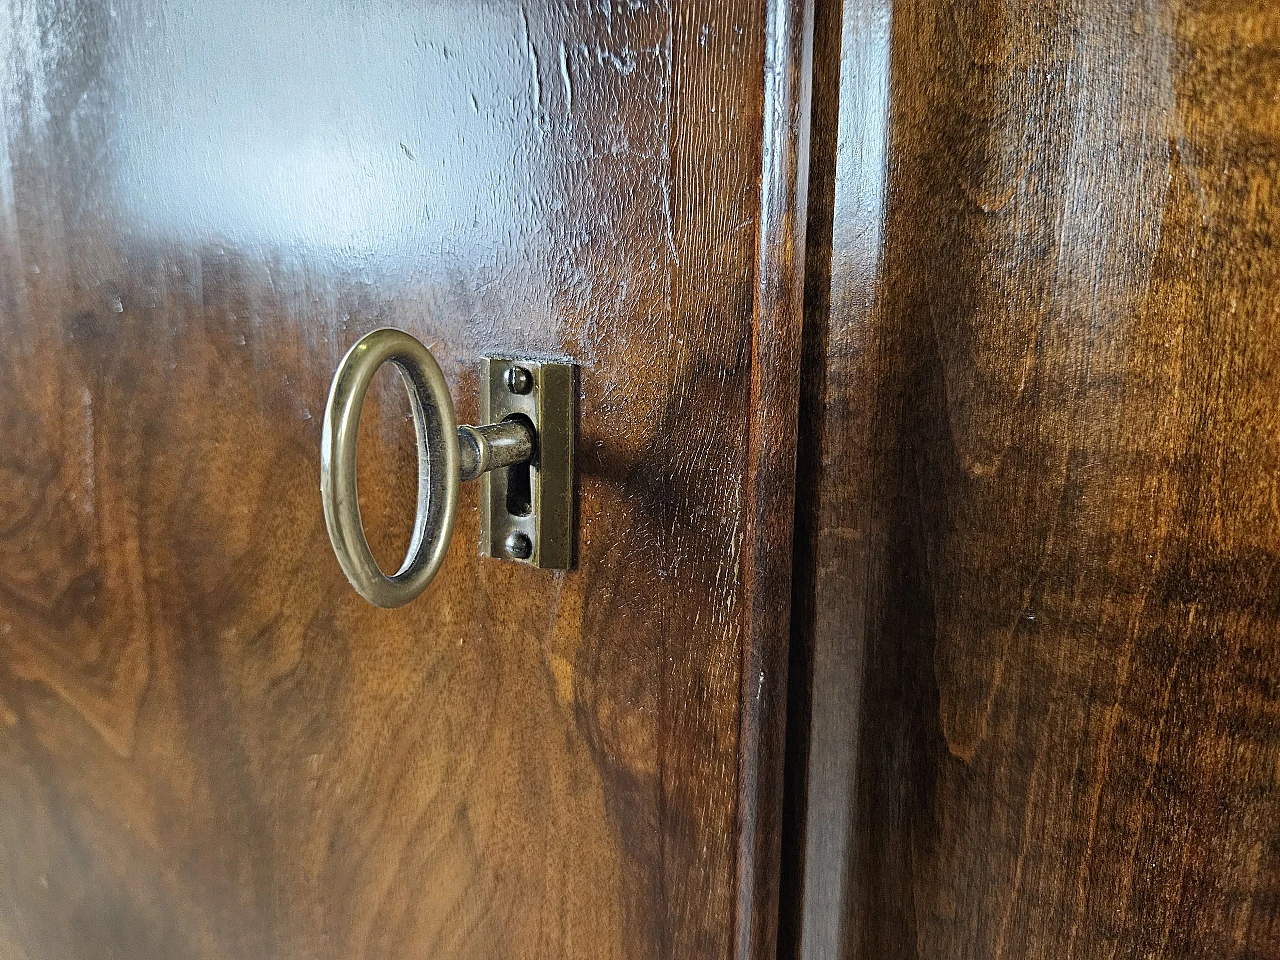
527,512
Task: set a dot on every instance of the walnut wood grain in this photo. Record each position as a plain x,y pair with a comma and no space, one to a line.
210,746
1041,637
775,389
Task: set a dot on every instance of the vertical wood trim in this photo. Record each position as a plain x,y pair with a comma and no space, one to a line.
775,380
810,443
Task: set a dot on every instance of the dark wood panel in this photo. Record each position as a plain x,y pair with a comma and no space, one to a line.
1042,636
210,747
775,389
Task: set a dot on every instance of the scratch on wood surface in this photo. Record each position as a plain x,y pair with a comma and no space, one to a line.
566,79
532,53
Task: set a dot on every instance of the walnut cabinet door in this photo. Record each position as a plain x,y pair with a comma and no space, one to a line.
210,745
1037,662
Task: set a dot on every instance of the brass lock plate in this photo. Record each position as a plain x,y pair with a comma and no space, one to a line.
527,512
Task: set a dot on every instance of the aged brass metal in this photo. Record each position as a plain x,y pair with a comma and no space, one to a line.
493,446
523,456
436,427
527,512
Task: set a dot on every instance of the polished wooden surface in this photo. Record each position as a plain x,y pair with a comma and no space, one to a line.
210,747
1041,632
775,390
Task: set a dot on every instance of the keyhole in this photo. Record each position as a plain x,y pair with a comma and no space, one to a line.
520,483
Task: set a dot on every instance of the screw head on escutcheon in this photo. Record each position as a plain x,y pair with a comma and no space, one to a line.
519,380
519,546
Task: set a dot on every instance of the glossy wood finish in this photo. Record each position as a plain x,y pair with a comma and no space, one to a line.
210,747
1042,633
775,388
